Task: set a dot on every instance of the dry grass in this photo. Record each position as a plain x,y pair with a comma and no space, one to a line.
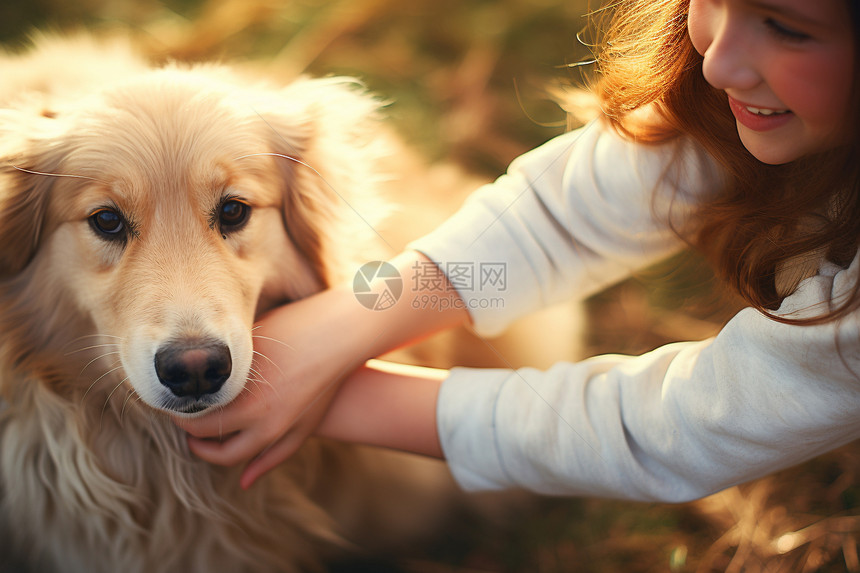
466,80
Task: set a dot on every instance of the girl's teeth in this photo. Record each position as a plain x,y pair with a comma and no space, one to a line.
759,111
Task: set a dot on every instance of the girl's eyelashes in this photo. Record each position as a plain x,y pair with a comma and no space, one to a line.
783,32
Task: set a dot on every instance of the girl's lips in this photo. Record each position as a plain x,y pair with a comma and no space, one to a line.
755,121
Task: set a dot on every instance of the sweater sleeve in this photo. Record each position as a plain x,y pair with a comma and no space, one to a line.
568,218
676,424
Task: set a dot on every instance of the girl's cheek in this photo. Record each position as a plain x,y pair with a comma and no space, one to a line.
819,89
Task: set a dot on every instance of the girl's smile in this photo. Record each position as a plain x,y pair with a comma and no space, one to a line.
759,118
786,67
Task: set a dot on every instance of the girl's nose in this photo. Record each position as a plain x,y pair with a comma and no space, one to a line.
729,60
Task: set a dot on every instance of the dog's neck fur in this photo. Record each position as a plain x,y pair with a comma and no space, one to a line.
61,466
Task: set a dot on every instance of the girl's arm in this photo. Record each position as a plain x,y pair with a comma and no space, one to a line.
388,405
569,218
675,424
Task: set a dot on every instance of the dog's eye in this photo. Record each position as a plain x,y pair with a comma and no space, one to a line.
108,223
233,215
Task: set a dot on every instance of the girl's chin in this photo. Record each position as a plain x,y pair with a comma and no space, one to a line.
770,148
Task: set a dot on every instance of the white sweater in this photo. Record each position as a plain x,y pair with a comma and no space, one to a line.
678,423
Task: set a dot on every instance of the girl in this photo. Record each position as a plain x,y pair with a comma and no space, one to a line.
728,124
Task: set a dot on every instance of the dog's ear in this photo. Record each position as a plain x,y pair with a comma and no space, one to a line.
24,192
327,134
23,208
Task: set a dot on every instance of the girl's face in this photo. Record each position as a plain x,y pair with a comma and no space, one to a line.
787,67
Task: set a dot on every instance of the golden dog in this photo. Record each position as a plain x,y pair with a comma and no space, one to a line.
147,216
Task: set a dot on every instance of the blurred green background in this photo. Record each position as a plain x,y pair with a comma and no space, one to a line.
467,83
464,79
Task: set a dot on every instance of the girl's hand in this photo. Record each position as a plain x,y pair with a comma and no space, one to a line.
302,353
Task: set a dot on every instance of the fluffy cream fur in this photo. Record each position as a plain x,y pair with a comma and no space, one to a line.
93,475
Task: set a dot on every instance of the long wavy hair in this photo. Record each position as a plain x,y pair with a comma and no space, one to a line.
770,221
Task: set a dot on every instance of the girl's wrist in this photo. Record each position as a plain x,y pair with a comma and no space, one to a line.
409,319
360,327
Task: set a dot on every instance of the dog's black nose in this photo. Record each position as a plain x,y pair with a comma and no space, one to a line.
193,367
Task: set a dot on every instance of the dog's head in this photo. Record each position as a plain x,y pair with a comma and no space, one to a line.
162,215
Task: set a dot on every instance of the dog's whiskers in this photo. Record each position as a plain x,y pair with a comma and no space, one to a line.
97,335
107,400
258,379
96,381
99,357
261,355
81,338
248,387
272,362
93,347
128,396
284,156
281,342
31,172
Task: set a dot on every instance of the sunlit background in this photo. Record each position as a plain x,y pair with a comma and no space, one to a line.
466,86
464,78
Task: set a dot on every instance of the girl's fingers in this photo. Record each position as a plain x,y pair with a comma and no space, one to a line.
277,451
269,459
214,426
207,450
232,450
239,414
